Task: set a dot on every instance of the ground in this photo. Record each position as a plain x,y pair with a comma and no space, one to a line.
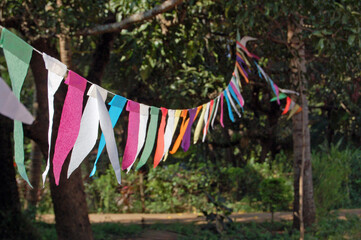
148,219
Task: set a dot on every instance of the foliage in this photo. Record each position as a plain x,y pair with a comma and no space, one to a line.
326,229
174,188
333,228
103,192
275,194
14,226
336,176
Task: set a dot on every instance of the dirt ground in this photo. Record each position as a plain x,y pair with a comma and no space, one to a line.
148,234
147,218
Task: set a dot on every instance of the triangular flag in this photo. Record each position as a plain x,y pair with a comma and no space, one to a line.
11,107
187,135
221,120
151,134
168,135
207,121
143,121
215,111
116,107
69,122
160,141
229,106
181,131
199,124
288,103
177,114
131,146
56,73
17,54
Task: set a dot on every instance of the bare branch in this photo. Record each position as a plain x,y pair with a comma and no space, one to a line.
135,18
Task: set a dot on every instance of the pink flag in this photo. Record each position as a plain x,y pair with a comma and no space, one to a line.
131,146
69,122
222,110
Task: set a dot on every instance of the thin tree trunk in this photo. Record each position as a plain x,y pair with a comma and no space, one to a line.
304,209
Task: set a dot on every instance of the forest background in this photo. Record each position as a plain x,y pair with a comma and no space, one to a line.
180,54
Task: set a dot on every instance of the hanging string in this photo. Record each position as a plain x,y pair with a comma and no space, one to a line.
239,45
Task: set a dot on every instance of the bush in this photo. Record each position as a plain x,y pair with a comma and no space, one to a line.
275,194
336,178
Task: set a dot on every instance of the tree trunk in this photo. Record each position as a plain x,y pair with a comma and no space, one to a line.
9,200
13,225
301,134
70,207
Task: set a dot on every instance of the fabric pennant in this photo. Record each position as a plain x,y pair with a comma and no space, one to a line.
280,96
88,132
232,102
144,116
116,107
277,93
168,135
234,81
215,111
243,57
297,108
69,122
211,109
261,72
288,91
244,74
56,73
17,55
131,146
221,119
151,135
234,95
187,135
238,93
236,75
205,119
288,103
175,124
11,107
107,129
199,124
181,132
240,45
160,141
228,106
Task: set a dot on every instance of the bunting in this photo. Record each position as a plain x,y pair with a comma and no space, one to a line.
78,130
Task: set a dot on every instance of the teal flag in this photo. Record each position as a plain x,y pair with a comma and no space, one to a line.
17,54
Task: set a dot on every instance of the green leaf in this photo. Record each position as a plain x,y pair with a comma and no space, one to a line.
351,39
317,34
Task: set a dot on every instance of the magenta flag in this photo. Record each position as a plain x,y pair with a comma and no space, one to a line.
131,146
69,122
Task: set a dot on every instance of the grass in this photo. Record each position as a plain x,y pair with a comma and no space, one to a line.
329,228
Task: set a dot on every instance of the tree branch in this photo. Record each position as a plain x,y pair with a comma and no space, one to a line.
135,18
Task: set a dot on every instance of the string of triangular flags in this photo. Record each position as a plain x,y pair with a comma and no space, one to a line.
78,129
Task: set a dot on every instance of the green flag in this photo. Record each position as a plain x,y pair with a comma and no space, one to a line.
151,135
17,54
